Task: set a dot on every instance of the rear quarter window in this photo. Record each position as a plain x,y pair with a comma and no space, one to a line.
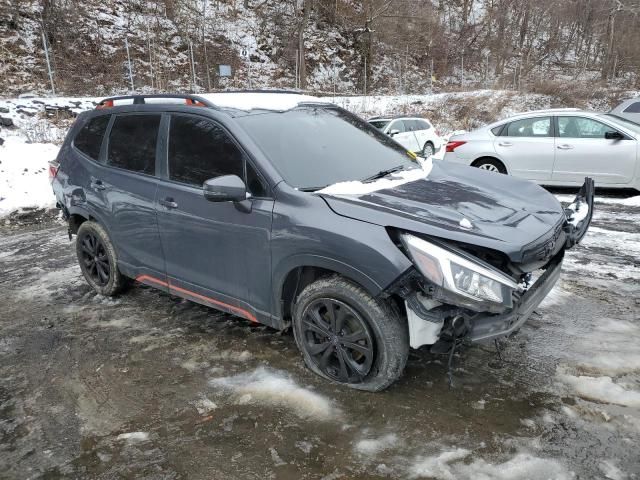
89,138
497,130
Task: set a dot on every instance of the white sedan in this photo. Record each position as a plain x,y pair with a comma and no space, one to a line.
413,133
555,147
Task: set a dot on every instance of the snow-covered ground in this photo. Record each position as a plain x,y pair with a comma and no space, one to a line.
24,175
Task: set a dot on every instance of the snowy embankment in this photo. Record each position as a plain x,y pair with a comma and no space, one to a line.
24,178
32,131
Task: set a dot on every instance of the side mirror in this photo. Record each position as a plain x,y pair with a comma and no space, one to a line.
393,132
613,135
227,188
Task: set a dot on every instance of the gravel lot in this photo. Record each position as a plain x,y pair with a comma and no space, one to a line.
150,386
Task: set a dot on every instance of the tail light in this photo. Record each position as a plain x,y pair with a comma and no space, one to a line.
53,170
452,145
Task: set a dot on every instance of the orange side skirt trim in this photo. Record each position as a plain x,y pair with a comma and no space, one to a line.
182,291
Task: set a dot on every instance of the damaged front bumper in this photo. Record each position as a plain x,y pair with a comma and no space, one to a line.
487,327
434,312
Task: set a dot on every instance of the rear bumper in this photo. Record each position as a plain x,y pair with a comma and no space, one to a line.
487,327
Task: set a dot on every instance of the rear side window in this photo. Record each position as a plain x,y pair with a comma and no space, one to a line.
89,139
530,127
421,125
132,143
633,108
199,150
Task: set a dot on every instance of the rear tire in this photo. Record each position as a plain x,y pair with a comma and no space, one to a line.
490,164
98,260
349,337
428,150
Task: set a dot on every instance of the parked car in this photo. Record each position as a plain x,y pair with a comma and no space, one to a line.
291,212
628,110
555,147
413,133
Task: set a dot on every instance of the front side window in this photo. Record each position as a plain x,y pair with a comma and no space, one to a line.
132,143
530,127
312,147
580,127
199,150
397,126
89,139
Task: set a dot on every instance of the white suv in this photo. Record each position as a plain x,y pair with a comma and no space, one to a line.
555,147
413,133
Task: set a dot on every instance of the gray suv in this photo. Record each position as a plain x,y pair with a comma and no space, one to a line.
291,212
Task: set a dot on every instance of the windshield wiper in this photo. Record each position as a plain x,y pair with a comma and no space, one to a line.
383,173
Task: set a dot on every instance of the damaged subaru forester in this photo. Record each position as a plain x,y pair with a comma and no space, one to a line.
292,212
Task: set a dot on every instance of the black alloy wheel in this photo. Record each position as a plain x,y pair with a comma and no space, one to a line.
95,259
338,340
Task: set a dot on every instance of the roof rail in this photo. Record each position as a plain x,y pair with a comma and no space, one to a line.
193,100
263,90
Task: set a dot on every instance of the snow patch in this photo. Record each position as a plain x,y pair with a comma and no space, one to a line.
449,466
204,405
394,180
24,175
601,389
609,470
134,437
268,387
372,446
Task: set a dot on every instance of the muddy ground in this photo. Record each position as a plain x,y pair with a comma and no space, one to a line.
150,386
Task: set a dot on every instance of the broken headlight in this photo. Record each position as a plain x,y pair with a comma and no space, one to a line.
458,273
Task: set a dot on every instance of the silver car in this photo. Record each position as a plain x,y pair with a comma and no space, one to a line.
628,110
555,147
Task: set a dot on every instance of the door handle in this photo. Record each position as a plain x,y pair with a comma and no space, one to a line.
168,203
97,184
505,144
565,146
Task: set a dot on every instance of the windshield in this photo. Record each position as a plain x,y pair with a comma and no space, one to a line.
624,122
313,147
379,124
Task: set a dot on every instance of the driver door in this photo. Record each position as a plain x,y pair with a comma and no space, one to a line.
583,151
216,253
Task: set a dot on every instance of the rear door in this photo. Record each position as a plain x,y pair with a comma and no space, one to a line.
401,133
527,147
128,184
424,132
217,253
583,151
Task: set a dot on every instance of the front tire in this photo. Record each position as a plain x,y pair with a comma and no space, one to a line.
98,260
349,337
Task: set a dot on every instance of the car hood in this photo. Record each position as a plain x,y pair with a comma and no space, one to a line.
463,204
